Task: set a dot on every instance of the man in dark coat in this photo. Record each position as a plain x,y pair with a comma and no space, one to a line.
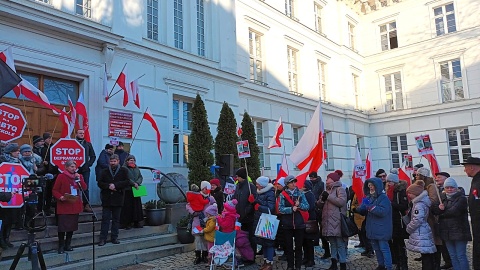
104,160
112,182
472,169
122,154
85,169
318,188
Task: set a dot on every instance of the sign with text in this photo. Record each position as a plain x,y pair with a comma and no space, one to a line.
243,149
114,141
12,123
67,149
360,170
11,177
424,145
408,162
120,124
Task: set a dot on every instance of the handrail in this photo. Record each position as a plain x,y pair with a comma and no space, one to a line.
166,176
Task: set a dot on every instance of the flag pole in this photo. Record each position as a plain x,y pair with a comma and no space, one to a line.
53,132
248,183
26,118
122,89
116,81
135,136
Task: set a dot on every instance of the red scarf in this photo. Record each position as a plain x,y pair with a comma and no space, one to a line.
390,193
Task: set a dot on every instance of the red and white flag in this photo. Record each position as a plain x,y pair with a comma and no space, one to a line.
309,154
368,165
124,83
357,182
73,114
105,83
34,94
81,110
7,57
239,131
149,117
432,160
283,172
65,120
134,87
275,141
404,174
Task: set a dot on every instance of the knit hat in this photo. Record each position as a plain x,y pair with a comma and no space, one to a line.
205,184
313,174
281,181
131,157
215,181
230,206
289,178
339,172
25,148
416,188
242,172
212,210
334,176
46,135
379,172
423,171
393,176
263,181
37,139
194,188
450,182
11,147
108,146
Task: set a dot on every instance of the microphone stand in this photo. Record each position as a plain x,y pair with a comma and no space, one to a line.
94,218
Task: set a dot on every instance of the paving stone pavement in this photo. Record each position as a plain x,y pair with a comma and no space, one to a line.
355,261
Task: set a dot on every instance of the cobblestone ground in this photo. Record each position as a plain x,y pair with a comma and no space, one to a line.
355,261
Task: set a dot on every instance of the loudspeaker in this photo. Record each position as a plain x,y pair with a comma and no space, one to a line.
226,165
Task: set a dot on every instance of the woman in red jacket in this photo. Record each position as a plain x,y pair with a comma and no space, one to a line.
69,204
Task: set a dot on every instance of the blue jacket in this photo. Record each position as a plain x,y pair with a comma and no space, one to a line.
266,201
378,209
288,218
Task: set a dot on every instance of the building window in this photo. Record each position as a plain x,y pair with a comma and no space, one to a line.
398,149
451,80
292,70
182,127
322,88
318,18
297,134
388,36
44,1
327,146
445,14
256,62
356,91
178,23
84,8
351,36
459,145
393,91
200,28
260,142
152,19
289,8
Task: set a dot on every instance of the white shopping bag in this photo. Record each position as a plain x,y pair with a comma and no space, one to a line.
267,226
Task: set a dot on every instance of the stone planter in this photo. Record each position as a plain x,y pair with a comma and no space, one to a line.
155,217
184,236
175,212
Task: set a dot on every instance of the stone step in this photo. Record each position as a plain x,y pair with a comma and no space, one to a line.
50,244
51,231
79,256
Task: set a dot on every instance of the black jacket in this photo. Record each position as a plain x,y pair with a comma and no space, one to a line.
399,208
89,156
244,207
120,180
454,225
217,194
122,154
45,154
102,163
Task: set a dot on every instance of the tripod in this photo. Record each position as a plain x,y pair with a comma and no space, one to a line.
35,254
94,218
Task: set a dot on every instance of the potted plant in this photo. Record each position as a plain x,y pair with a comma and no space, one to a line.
155,212
183,234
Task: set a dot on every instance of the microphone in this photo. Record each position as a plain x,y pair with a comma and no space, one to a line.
77,180
49,176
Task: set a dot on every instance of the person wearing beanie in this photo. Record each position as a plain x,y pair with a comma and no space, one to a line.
333,202
27,159
311,236
120,151
421,237
454,228
132,212
209,231
397,194
217,193
241,173
264,203
292,202
38,143
226,221
103,161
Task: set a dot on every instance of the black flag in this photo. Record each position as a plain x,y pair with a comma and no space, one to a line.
8,79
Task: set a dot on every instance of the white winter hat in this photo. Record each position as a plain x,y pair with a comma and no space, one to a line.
205,184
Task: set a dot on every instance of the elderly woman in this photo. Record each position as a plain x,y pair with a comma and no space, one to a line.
132,206
333,202
454,226
264,203
292,201
69,204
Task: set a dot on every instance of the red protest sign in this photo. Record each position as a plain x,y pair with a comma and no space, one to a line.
424,145
12,123
11,177
67,149
243,149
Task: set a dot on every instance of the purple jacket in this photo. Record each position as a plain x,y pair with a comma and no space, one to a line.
243,245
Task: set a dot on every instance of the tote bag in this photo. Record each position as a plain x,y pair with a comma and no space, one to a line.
267,226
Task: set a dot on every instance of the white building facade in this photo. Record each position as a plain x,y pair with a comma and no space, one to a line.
386,71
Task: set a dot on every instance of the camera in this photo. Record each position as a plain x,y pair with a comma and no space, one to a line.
31,187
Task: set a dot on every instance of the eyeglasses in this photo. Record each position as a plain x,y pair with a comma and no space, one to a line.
383,175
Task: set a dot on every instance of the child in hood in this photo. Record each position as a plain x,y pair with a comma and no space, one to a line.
209,231
227,219
198,201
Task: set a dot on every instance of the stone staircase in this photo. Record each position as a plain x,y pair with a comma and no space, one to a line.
136,245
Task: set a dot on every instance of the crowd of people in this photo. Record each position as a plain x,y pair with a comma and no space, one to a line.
430,217
67,194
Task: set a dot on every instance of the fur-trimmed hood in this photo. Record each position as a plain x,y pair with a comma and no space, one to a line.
265,189
402,185
423,197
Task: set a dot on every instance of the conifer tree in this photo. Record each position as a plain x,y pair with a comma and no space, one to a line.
253,162
225,142
200,145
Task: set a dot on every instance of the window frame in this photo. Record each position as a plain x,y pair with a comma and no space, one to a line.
182,131
444,16
351,36
459,147
292,54
86,6
261,144
394,106
255,46
452,80
387,33
328,148
400,152
290,9
200,11
322,79
356,90
178,24
318,10
151,33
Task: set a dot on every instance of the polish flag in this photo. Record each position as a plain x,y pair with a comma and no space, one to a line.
134,87
357,182
81,110
239,131
309,154
404,174
73,114
7,57
283,167
124,83
105,83
368,164
65,120
34,94
432,160
149,117
275,141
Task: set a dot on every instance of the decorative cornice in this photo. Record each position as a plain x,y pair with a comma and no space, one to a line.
257,23
293,40
179,85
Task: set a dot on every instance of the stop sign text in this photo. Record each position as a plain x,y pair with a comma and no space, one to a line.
67,149
12,123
